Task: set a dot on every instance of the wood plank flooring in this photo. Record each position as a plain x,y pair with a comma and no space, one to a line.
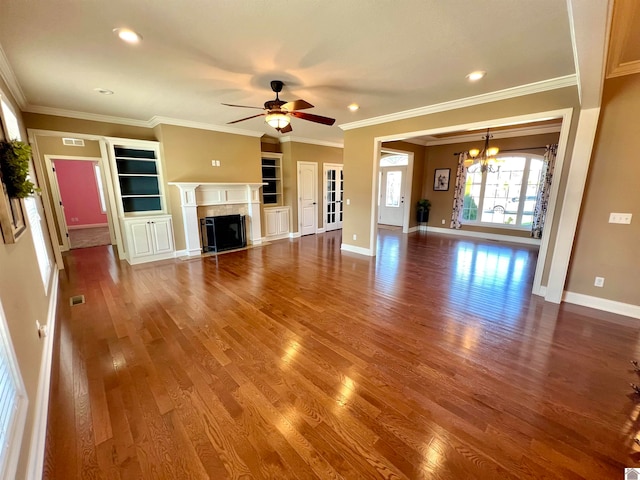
297,361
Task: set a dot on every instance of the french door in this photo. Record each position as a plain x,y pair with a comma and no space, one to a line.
333,196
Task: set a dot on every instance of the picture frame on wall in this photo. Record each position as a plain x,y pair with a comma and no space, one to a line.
441,179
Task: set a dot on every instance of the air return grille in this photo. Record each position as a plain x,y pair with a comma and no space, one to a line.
76,300
73,142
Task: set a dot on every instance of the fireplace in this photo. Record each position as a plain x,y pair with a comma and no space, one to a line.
224,232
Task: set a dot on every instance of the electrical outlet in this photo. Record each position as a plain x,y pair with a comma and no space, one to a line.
355,237
443,221
42,330
348,201
599,282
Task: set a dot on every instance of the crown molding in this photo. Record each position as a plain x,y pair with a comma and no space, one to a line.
96,117
311,141
6,72
159,120
531,88
477,136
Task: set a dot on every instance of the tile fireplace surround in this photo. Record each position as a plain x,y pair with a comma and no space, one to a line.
195,194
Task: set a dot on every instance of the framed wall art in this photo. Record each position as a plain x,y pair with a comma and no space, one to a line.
441,179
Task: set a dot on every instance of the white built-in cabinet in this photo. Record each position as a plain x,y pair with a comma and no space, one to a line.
140,199
277,223
149,238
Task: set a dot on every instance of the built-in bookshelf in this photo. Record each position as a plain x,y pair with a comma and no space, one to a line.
272,176
137,170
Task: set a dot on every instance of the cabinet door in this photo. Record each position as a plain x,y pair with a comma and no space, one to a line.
140,239
283,221
162,236
271,222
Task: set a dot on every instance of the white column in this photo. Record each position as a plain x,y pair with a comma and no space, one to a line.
190,218
253,209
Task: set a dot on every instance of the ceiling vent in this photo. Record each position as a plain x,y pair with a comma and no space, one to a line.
73,142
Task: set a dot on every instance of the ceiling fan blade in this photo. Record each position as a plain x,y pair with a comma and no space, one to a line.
243,119
241,106
296,105
286,129
313,118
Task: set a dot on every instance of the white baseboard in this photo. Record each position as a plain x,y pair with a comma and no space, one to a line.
486,236
256,241
181,253
295,235
275,237
321,230
413,229
358,250
88,225
41,411
541,291
598,303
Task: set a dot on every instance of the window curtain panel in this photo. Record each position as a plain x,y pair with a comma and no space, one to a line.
458,194
542,202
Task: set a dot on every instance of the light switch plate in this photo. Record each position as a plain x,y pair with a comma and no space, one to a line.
624,218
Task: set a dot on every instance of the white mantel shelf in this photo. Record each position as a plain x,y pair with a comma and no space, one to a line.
195,194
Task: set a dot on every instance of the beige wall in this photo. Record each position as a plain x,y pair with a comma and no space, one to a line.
442,156
294,152
187,155
23,301
88,127
601,248
359,147
419,163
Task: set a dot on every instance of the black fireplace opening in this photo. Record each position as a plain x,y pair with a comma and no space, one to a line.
224,232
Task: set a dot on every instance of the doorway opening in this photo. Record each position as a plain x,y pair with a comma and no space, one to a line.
80,202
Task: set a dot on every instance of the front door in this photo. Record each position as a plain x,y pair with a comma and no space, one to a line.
308,197
333,193
391,204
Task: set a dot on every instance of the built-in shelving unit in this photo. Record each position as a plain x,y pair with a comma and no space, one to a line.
138,179
272,176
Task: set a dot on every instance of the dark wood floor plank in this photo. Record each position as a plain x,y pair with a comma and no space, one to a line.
297,361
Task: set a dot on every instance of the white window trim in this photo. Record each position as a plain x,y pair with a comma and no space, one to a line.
505,226
9,462
101,193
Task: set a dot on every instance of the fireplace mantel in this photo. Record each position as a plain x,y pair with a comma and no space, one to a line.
198,194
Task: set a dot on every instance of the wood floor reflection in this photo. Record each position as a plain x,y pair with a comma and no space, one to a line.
294,360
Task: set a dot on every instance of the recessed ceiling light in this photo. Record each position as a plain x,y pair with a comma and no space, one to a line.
353,107
127,35
477,75
104,91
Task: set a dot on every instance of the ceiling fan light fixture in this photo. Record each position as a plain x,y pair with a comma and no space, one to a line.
277,120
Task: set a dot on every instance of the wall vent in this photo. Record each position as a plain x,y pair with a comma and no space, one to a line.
73,142
76,300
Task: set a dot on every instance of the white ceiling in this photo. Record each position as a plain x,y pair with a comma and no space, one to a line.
386,56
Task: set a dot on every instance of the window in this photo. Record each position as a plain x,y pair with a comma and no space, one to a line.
42,255
394,160
103,204
394,187
507,196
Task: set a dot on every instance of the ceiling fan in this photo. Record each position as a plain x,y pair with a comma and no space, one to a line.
278,113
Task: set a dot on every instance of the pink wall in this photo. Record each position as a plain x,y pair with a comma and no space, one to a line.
79,192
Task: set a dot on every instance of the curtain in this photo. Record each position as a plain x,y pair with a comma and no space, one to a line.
542,202
458,194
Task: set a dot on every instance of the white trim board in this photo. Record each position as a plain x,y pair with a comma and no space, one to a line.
603,304
537,87
88,225
41,412
359,250
483,235
311,141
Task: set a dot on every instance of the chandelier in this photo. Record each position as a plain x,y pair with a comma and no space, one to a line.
486,157
277,120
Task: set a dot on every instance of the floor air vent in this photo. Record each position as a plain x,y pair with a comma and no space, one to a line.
76,300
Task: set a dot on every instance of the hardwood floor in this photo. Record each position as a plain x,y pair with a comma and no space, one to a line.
297,361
